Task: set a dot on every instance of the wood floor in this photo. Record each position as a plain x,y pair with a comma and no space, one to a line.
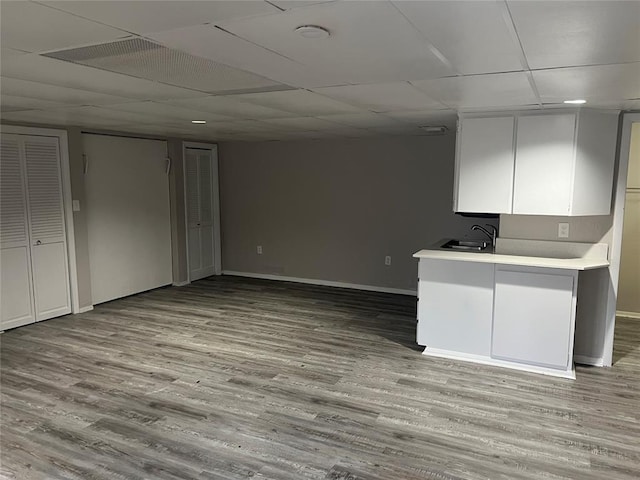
232,378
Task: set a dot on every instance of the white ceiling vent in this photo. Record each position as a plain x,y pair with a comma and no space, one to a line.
144,59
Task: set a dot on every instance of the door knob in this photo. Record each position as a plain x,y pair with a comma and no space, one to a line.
38,242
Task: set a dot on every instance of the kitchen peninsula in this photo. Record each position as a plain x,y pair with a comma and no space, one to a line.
513,307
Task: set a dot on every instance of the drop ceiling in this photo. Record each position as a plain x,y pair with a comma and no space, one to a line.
150,67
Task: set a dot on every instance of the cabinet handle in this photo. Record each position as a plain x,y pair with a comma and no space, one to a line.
38,242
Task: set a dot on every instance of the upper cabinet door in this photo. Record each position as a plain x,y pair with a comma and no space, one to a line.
545,159
485,160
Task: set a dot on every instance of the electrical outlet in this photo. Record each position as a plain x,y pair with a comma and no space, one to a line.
387,260
563,230
259,249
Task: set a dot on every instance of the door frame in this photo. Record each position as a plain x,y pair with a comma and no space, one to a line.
619,194
215,190
65,174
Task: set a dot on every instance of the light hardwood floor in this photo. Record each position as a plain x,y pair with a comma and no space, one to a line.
233,378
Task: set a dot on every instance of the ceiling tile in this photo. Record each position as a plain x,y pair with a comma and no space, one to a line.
381,97
613,83
86,115
54,93
361,120
302,102
421,118
167,112
472,35
32,27
209,42
492,90
404,130
15,103
227,105
303,123
161,130
288,4
369,42
558,34
135,16
55,72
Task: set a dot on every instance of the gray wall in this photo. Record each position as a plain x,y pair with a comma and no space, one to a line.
333,209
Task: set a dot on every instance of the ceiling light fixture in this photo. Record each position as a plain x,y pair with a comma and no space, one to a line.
435,129
575,102
199,122
312,31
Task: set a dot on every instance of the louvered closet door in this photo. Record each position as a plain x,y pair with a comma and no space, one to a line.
199,176
16,295
46,227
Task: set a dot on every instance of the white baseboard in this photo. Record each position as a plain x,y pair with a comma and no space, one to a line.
88,308
181,284
586,360
621,313
324,283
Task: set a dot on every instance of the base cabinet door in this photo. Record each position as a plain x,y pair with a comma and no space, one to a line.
455,306
534,316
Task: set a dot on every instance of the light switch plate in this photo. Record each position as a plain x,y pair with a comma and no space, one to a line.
75,205
563,230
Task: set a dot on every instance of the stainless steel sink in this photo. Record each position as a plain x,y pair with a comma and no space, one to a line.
467,245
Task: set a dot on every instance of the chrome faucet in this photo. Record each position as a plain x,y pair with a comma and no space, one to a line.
493,234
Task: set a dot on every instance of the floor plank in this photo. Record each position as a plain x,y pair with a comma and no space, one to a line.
234,378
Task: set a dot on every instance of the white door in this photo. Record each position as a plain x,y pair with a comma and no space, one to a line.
35,272
128,216
46,227
200,175
545,158
16,295
485,165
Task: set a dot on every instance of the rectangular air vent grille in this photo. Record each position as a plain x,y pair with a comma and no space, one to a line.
141,58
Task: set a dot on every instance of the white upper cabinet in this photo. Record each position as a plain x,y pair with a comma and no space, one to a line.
560,163
544,164
485,165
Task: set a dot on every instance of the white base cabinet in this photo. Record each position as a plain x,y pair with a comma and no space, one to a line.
534,316
455,302
511,316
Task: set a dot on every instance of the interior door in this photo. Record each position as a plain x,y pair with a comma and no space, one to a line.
199,175
16,307
128,216
46,227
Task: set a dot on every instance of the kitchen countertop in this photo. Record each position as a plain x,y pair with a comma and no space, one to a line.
594,256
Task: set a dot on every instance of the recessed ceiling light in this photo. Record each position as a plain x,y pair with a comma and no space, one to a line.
312,31
198,121
575,102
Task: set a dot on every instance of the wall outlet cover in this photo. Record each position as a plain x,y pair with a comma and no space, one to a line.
259,249
387,260
563,230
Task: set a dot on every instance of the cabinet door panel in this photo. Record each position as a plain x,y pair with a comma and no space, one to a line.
545,156
455,303
485,165
532,318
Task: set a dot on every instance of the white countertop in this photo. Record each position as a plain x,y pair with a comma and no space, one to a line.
593,257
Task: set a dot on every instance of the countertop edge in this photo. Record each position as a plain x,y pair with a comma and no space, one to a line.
501,259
